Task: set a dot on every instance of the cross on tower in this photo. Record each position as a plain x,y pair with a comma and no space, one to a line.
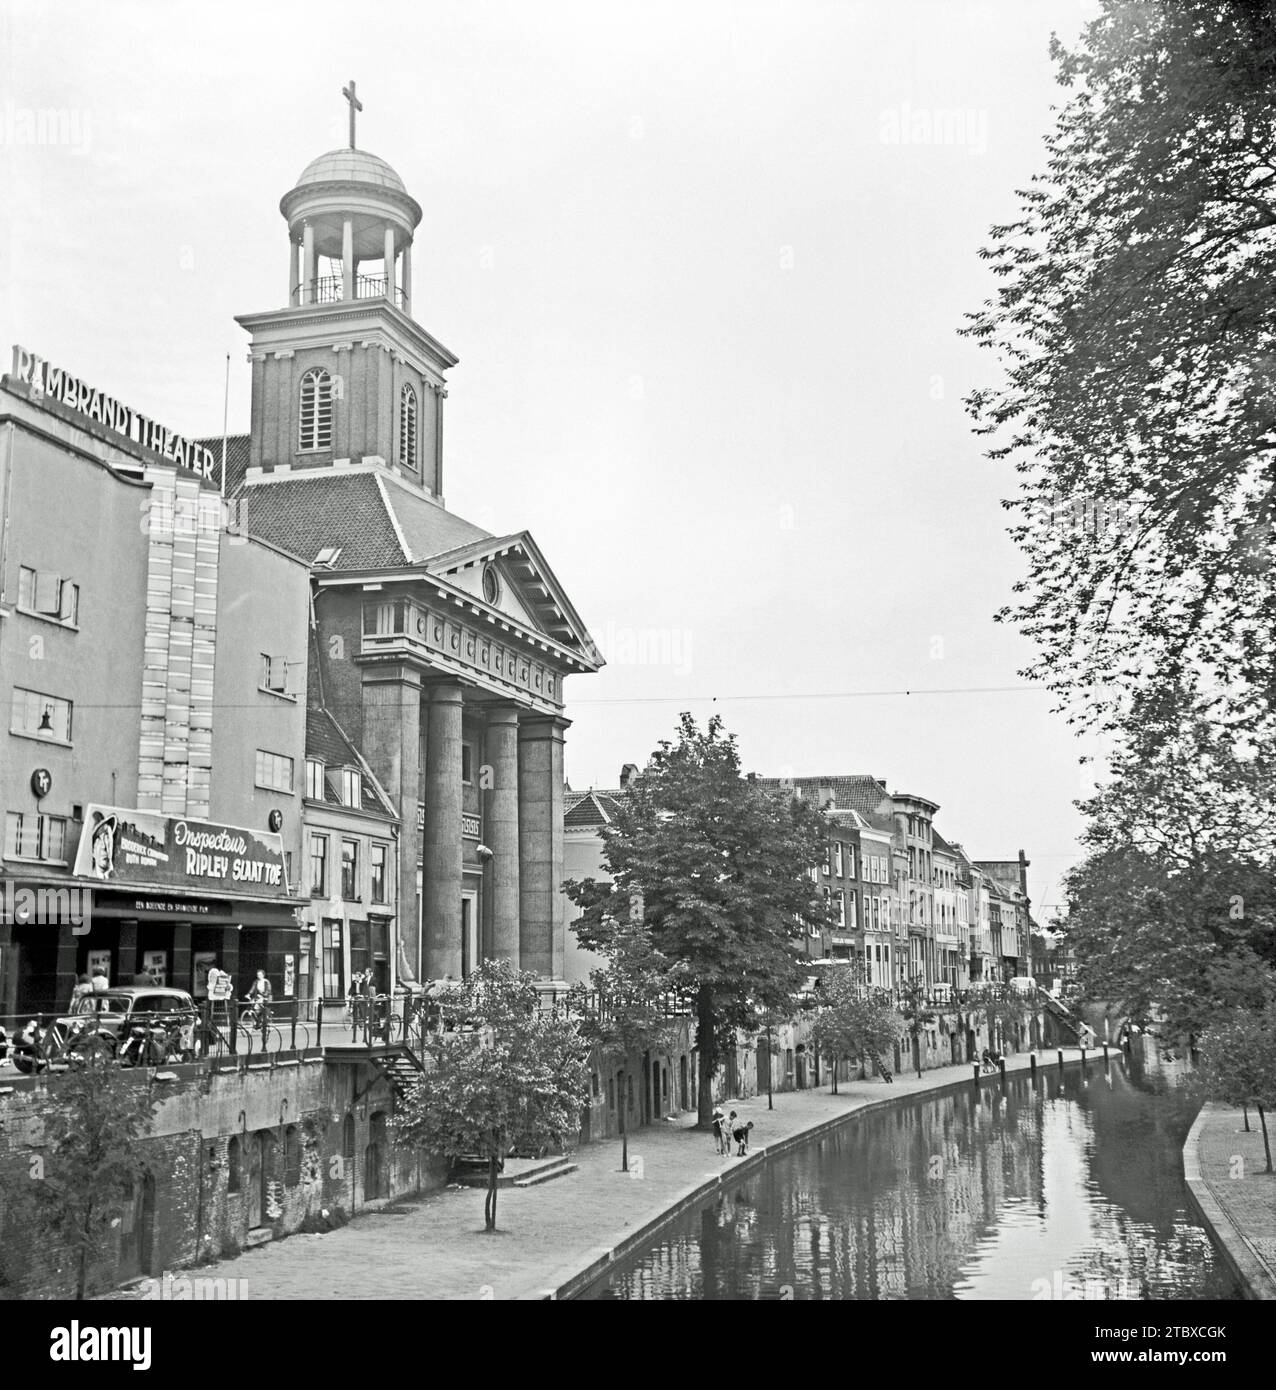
355,105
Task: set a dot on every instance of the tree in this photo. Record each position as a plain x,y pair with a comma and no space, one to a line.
1174,907
718,866
91,1162
853,1020
1136,328
1000,1005
629,1010
1240,1063
513,1076
918,1015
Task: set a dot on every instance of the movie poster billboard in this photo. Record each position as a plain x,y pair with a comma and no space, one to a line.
144,848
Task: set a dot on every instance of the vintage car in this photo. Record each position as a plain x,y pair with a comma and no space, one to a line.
169,1017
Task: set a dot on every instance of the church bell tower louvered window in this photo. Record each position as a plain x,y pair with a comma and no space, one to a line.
407,428
315,415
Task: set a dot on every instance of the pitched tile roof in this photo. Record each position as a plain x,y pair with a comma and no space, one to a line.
327,742
367,516
237,454
590,808
856,792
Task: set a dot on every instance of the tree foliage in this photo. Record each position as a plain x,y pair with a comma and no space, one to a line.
514,1076
1239,1053
1174,906
854,1020
1136,326
91,1159
716,867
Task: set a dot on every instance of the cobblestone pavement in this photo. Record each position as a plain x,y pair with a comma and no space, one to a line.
437,1248
1233,1167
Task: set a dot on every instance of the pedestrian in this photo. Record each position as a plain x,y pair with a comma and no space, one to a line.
719,1136
83,986
99,981
741,1136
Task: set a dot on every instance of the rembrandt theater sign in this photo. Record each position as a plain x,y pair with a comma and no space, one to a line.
44,379
140,848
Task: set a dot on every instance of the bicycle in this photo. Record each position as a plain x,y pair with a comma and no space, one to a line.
256,1028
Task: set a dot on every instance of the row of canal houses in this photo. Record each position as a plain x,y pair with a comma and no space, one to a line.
908,903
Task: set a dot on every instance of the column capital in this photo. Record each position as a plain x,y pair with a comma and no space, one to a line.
443,692
502,714
541,726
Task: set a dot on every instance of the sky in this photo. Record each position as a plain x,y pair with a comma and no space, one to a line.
704,266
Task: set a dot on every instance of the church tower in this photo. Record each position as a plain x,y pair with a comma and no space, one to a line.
439,651
343,374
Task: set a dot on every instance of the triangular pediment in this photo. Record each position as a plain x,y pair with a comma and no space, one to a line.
526,590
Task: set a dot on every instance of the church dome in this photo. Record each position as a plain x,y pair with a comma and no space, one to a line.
351,166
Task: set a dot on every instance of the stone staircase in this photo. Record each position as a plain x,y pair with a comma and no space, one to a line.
518,1172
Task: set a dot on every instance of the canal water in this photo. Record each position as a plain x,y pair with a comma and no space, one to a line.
1071,1190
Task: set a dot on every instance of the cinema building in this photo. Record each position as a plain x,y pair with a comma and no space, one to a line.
441,650
152,664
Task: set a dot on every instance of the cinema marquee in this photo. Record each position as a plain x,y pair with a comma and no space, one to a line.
44,379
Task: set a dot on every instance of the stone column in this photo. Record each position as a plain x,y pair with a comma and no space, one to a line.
347,259
308,264
543,919
441,851
292,272
389,264
392,745
406,274
500,832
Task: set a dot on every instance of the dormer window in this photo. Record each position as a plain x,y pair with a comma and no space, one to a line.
315,414
407,428
314,779
351,787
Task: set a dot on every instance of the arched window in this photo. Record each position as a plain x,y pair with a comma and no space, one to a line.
347,1137
407,428
232,1165
315,415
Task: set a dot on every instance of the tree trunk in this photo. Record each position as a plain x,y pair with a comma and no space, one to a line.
705,1058
1245,1110
1262,1120
489,1207
835,1061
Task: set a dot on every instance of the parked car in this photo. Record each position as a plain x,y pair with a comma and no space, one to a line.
114,1014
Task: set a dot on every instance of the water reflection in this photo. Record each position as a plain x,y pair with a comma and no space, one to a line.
1071,1190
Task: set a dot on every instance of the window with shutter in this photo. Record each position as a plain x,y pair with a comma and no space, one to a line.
315,414
407,428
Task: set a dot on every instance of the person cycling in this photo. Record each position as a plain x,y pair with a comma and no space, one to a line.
259,996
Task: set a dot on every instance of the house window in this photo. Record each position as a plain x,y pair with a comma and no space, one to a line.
333,975
319,865
29,835
314,779
274,771
841,909
837,858
378,860
407,427
467,763
315,415
360,953
351,787
274,673
852,915
850,861
41,716
48,596
347,1137
232,1165
349,869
